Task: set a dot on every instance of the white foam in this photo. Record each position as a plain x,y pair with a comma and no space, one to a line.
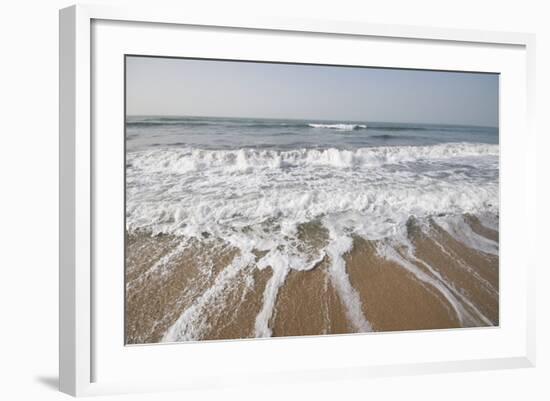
339,245
340,127
185,160
280,271
228,190
460,230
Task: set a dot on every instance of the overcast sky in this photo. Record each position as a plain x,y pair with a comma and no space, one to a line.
163,86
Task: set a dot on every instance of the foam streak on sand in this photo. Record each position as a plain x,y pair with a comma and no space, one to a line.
339,245
280,272
161,265
458,300
281,264
192,321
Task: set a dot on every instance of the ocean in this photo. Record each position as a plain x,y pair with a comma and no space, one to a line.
241,227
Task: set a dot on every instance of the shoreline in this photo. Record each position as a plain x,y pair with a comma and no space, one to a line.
198,287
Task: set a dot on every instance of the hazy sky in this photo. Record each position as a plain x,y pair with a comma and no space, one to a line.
161,86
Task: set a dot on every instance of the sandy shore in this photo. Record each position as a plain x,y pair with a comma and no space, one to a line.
444,284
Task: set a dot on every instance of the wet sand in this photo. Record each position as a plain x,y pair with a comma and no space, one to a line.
474,273
307,304
393,299
155,298
165,280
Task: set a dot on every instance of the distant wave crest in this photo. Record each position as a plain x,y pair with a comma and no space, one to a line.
340,127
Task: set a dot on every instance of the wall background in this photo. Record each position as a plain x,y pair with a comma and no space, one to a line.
29,211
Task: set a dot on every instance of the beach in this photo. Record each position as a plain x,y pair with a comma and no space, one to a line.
248,228
392,297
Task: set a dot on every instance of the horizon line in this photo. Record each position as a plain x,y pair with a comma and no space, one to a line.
309,118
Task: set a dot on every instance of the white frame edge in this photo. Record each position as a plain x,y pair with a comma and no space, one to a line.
74,201
75,184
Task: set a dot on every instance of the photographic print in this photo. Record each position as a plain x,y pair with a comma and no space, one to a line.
278,199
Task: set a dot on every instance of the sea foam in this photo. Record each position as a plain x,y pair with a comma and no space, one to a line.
189,191
341,127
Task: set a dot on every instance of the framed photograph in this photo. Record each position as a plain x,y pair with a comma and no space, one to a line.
339,199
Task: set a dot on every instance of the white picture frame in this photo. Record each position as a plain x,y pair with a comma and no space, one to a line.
81,341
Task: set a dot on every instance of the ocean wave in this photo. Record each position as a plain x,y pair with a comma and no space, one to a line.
191,122
292,125
340,127
167,122
183,160
189,191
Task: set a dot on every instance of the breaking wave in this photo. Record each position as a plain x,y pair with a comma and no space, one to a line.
341,127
